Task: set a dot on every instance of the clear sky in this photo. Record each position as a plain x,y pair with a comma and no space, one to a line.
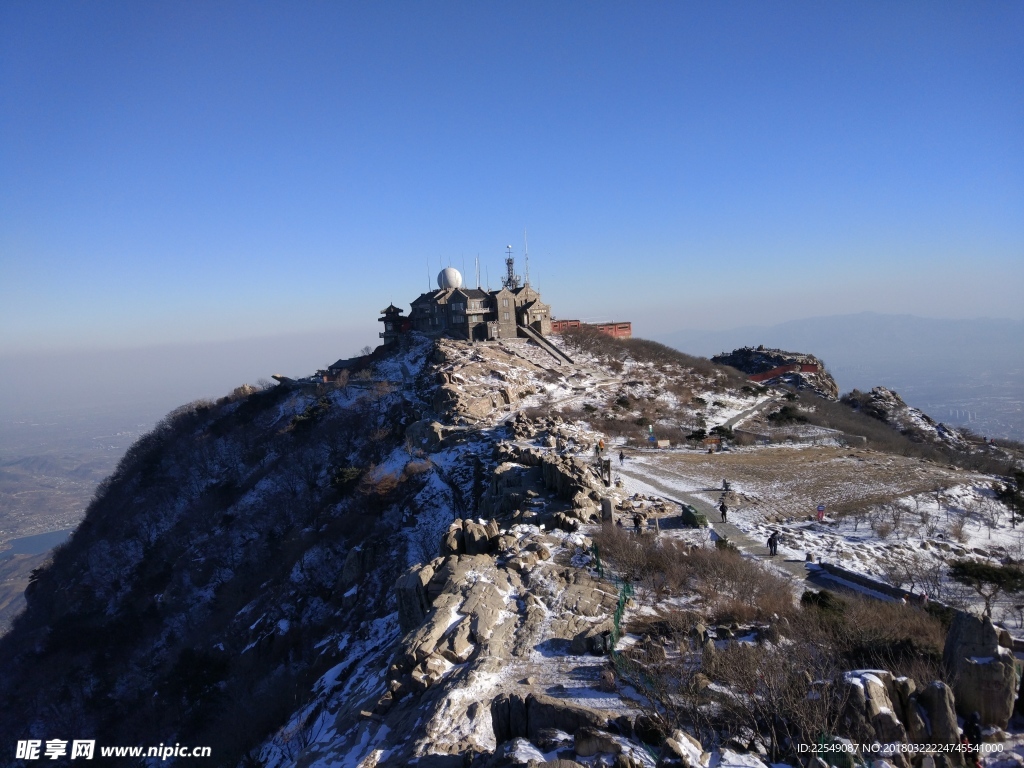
177,172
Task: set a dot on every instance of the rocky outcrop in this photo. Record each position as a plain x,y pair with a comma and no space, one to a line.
564,475
358,560
937,705
478,388
425,435
452,401
776,366
887,709
985,674
888,407
513,715
411,594
469,537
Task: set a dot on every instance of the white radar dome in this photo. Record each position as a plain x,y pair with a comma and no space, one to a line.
449,277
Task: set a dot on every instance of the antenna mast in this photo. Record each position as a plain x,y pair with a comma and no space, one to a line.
526,255
511,280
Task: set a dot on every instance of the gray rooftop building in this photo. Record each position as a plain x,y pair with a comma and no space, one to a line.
472,313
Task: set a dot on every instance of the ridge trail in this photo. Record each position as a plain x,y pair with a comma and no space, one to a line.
734,534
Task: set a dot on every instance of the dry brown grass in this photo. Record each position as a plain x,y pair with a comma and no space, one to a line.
789,482
903,639
731,587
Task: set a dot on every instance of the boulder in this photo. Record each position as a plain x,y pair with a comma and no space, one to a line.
880,710
476,538
512,716
684,750
411,594
564,522
356,563
985,673
454,541
548,712
908,711
483,605
429,671
854,717
458,646
590,741
874,709
937,703
425,435
592,640
508,717
550,739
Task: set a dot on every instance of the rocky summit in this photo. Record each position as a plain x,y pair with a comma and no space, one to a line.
462,554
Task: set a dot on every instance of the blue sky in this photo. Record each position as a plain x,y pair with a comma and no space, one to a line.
176,172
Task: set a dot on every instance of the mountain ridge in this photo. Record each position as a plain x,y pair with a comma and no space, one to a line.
297,575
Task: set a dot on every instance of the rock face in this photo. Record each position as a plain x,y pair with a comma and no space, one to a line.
887,406
411,593
937,704
567,477
985,673
468,537
793,368
513,715
882,708
467,386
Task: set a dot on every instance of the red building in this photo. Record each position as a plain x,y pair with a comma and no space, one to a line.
618,330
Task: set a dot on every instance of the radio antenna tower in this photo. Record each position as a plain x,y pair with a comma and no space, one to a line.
526,255
512,280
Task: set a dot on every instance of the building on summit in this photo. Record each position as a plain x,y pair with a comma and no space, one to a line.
476,314
616,329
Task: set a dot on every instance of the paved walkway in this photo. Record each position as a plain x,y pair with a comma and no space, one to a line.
750,411
743,542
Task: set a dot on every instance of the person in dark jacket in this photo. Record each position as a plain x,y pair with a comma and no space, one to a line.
724,510
972,740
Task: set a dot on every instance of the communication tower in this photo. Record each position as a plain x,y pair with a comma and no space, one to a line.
511,280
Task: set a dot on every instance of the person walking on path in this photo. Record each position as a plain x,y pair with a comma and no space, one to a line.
622,458
773,544
724,510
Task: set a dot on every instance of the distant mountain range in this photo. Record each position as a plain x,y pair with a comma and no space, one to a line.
964,372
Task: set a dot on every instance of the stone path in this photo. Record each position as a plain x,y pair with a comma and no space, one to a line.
743,542
750,411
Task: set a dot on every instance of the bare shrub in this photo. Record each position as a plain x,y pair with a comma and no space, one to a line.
375,488
873,634
779,695
732,587
415,467
883,528
916,572
879,520
957,527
